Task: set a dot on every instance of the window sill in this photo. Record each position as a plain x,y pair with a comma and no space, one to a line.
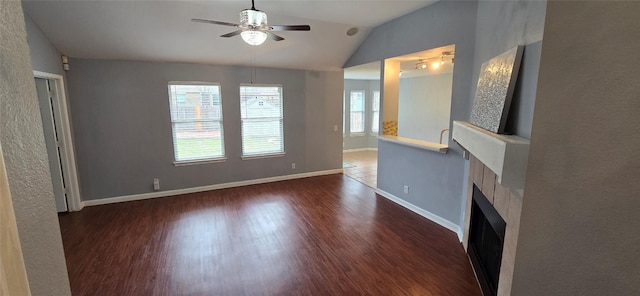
200,161
249,157
357,134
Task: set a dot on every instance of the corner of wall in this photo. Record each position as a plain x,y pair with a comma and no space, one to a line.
26,160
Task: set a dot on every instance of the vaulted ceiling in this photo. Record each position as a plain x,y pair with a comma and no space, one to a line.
150,30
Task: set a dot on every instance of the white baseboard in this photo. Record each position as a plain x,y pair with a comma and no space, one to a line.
360,149
422,212
110,200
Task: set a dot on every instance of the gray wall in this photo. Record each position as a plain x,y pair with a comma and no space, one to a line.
424,107
26,160
123,133
436,180
323,113
368,139
579,225
502,25
44,56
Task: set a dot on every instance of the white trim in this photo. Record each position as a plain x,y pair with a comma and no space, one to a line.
74,202
259,156
196,83
202,161
360,149
422,212
149,195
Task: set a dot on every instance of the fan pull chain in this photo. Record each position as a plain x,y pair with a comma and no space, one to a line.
254,70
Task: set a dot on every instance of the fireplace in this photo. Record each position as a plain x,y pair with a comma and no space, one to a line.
486,241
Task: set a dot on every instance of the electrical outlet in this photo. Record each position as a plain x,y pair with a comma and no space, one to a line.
293,165
335,128
406,189
156,184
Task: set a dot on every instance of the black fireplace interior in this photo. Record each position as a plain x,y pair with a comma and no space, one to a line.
486,239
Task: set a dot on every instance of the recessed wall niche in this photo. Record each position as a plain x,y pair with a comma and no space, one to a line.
425,81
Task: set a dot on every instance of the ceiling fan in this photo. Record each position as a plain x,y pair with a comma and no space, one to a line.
253,27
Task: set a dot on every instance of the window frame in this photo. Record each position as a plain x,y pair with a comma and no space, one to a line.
363,112
203,160
281,118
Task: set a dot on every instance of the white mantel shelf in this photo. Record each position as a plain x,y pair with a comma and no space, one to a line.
504,155
416,143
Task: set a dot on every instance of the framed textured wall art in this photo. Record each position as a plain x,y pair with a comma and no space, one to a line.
496,83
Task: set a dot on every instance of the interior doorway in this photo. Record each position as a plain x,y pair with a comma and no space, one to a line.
361,121
57,134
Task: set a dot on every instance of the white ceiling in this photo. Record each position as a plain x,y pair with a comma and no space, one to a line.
151,30
408,62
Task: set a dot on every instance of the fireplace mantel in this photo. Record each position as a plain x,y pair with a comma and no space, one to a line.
505,155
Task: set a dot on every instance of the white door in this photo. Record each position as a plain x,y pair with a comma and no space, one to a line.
55,148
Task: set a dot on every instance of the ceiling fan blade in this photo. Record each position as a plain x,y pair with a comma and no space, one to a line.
291,28
213,22
234,33
274,36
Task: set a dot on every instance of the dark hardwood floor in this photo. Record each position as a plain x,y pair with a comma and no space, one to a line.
326,235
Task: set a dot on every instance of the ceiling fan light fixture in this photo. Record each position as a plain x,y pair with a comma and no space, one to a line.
254,38
252,18
253,27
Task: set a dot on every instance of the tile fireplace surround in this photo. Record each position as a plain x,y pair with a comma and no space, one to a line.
508,203
504,190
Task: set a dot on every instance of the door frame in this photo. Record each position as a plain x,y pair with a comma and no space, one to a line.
74,203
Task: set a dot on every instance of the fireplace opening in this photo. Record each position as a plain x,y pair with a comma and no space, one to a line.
486,240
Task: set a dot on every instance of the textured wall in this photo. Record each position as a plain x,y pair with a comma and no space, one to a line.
436,180
424,107
579,225
26,160
123,135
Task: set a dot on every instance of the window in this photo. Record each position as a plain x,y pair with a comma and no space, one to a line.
196,121
261,115
357,112
375,107
344,110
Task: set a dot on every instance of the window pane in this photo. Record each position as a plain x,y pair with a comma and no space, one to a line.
194,102
196,116
375,118
262,120
376,101
357,101
261,136
198,140
357,112
375,121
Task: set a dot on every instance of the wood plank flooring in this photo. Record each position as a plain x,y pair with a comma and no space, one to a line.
328,235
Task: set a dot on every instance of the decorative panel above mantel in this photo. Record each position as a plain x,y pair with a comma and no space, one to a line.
504,155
